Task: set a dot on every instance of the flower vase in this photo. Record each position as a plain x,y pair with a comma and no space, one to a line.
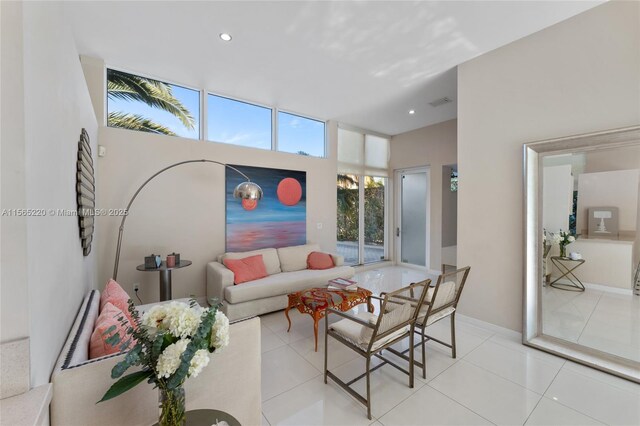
172,407
563,250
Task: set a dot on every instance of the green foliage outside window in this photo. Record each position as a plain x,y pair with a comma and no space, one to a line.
348,213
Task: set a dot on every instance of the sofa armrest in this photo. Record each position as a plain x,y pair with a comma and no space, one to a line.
338,260
218,278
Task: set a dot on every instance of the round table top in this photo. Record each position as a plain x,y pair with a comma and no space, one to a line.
567,259
208,417
164,267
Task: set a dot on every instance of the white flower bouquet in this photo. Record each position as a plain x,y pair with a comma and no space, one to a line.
170,343
564,239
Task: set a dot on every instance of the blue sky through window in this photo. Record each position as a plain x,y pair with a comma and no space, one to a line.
297,133
238,123
188,97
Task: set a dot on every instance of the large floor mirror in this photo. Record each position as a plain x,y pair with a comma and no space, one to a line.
582,256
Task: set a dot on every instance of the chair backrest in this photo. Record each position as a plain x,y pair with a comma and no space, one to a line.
399,309
446,293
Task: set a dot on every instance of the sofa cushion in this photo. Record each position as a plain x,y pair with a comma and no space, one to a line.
319,260
108,318
284,283
246,269
269,257
294,258
113,293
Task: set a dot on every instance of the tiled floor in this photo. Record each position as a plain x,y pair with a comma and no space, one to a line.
494,380
601,320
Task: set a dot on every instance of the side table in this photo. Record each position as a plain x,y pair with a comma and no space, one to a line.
567,271
207,417
165,276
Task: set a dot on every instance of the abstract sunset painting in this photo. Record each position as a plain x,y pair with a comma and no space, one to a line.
278,220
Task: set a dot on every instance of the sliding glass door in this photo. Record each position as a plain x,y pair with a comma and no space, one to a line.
361,218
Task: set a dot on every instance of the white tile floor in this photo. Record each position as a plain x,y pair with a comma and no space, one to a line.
605,321
494,380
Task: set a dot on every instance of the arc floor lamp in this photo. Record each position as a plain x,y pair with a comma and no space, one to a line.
246,190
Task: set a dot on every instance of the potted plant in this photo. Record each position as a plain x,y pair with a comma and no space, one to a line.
171,342
564,239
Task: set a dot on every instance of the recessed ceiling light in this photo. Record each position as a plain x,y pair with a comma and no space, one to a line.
412,111
225,36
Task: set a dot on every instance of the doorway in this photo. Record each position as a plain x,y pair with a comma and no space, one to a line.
412,217
449,215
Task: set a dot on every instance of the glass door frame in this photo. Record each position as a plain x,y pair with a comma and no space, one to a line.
397,229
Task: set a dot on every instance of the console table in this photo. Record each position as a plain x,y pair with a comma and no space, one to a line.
165,276
566,266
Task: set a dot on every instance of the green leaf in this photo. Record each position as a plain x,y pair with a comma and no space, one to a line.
156,348
126,383
132,358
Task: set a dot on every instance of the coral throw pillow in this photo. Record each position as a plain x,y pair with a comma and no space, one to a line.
108,317
246,269
318,260
116,295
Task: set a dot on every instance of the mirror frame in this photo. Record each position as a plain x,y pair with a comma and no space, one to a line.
532,334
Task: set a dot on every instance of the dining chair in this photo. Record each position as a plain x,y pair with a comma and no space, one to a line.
441,301
368,334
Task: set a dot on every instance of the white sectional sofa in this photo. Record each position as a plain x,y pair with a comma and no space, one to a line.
287,272
231,381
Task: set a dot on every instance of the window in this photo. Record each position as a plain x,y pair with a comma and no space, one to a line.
454,181
147,105
144,104
348,218
300,135
374,218
238,123
362,191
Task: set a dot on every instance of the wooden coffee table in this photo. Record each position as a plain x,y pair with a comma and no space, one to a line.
315,301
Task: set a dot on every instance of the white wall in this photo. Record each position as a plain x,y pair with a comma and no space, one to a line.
56,107
183,210
617,188
432,146
578,76
557,197
13,230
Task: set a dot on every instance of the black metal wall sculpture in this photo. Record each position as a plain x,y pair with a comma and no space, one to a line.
85,191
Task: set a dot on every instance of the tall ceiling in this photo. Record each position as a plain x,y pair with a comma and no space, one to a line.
364,63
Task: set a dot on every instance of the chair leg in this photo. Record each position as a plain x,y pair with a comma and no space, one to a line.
411,357
326,351
368,388
424,354
453,335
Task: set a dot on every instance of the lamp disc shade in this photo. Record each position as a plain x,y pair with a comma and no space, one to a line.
248,191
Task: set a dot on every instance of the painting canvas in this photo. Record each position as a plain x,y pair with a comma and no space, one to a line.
278,220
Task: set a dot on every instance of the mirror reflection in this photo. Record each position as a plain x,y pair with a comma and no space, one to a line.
591,249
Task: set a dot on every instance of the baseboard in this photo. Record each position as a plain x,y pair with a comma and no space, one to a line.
607,289
489,326
374,265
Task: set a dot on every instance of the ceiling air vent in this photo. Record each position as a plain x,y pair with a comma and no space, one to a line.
440,101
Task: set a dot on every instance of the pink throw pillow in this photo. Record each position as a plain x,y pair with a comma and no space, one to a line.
108,317
319,260
119,298
246,269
